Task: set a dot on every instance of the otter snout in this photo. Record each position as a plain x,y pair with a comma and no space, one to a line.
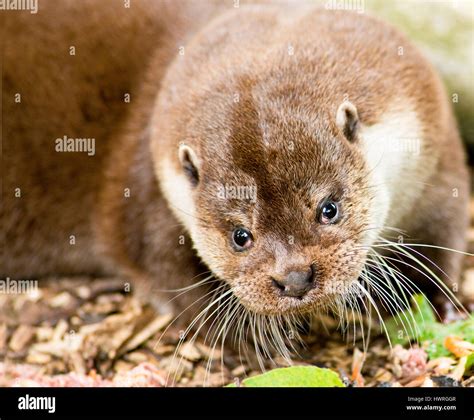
296,283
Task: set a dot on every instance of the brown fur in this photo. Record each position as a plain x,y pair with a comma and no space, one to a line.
286,99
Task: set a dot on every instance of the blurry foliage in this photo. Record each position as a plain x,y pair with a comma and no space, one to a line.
420,324
444,30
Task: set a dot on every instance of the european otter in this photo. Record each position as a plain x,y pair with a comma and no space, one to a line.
274,147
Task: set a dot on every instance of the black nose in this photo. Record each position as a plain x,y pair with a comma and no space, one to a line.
296,283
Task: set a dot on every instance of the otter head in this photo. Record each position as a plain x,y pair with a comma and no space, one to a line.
268,177
275,198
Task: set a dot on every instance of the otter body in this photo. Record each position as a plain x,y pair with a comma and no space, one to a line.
73,71
335,126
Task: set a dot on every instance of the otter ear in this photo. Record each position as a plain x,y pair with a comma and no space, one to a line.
190,163
347,120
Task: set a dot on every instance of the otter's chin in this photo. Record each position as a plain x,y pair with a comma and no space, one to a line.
284,305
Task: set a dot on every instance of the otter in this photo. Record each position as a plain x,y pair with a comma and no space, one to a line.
290,153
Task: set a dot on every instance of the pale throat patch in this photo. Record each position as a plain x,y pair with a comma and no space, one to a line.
393,148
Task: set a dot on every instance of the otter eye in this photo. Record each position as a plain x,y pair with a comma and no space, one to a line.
329,212
242,239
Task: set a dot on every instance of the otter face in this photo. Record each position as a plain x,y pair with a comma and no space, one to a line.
278,204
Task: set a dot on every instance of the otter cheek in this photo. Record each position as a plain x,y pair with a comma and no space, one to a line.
252,287
344,270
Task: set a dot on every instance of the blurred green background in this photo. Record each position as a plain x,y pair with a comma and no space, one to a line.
444,30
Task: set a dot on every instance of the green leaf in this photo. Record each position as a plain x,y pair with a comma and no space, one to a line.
421,325
295,376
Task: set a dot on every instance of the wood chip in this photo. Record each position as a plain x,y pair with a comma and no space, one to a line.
209,353
37,358
416,382
62,300
469,382
428,383
144,375
177,367
35,295
281,361
190,352
60,330
77,362
217,379
75,321
21,338
123,366
44,333
56,367
458,371
55,348
104,305
160,350
84,292
152,328
106,341
383,375
137,357
3,337
441,365
239,371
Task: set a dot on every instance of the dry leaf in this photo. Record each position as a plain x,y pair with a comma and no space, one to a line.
458,346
